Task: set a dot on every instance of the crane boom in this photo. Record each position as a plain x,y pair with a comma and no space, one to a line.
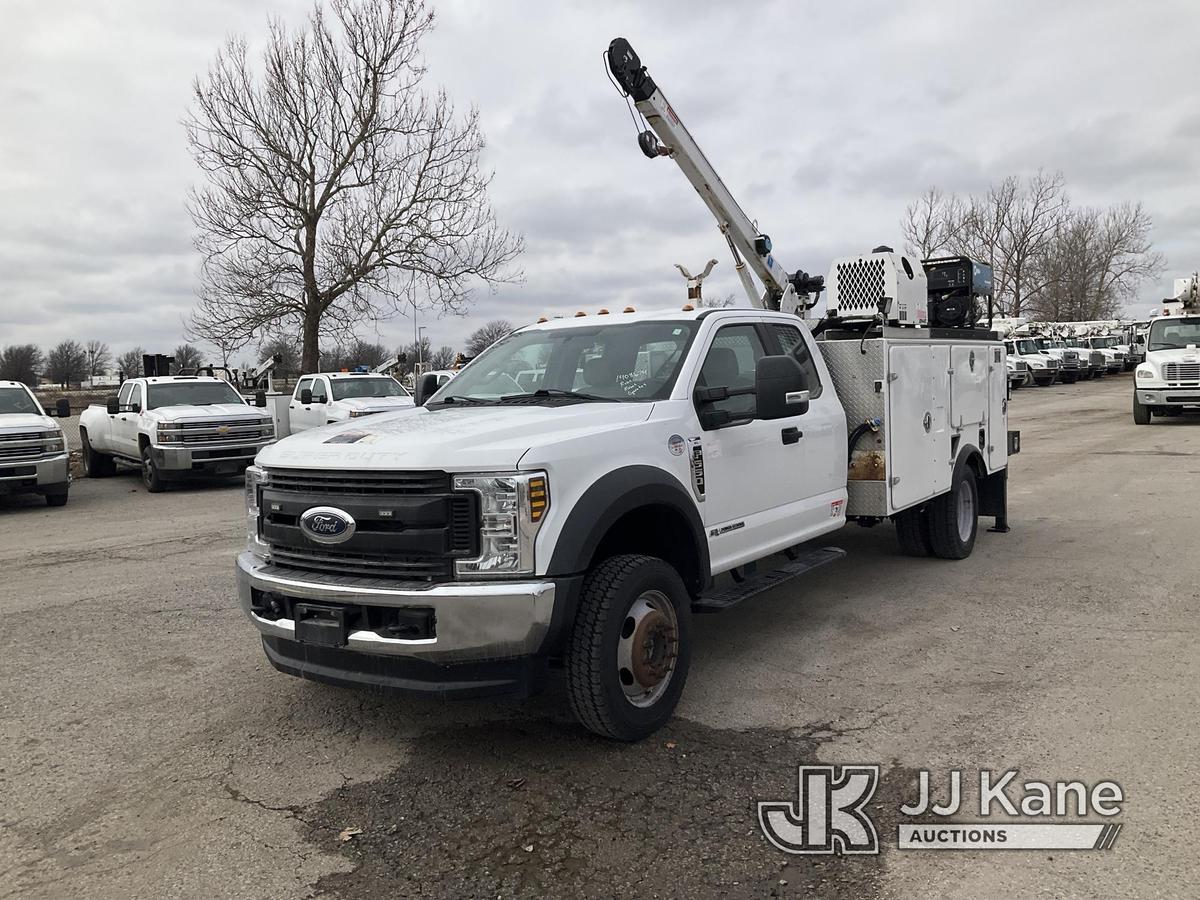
671,138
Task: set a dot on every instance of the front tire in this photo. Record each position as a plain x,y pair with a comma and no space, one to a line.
150,475
630,646
954,517
58,498
1141,412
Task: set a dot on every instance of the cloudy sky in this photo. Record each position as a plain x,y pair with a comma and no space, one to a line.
825,119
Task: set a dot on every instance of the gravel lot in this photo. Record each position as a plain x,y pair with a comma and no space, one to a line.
148,750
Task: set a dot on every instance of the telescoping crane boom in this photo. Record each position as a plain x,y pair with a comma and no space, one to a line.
789,291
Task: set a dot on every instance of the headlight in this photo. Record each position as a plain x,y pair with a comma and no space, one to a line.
256,479
168,434
52,442
1144,373
512,508
1036,364
268,429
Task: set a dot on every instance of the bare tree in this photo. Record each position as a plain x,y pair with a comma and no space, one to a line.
359,353
288,351
67,363
486,335
932,223
724,302
129,363
1097,259
442,358
21,362
338,191
98,357
186,357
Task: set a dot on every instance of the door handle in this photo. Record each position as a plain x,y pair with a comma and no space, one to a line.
791,435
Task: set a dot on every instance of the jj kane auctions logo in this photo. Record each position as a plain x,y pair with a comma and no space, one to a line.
830,814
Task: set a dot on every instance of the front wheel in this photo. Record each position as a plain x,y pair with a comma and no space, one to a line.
954,517
150,475
628,654
57,498
1141,412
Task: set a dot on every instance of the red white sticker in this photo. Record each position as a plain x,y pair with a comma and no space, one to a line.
835,508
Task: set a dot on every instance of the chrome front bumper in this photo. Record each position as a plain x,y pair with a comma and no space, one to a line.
475,621
184,458
1169,396
48,470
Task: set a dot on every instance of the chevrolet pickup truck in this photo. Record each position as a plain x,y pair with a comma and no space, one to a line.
172,428
33,448
325,398
501,530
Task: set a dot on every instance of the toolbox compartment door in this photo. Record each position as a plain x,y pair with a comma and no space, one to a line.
918,463
997,435
969,385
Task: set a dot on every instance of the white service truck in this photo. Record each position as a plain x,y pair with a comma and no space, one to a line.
34,456
580,518
1044,369
1168,382
173,427
326,398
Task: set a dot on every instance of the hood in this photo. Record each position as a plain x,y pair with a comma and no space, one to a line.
27,422
1182,355
479,438
376,404
213,411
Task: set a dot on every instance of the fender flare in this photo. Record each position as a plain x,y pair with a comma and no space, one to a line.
607,500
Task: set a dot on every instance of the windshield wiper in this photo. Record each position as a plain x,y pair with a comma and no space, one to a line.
455,398
544,393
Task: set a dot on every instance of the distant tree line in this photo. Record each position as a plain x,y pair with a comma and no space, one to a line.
70,363
1050,259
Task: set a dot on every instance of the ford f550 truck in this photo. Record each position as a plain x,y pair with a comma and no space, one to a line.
173,427
572,496
33,448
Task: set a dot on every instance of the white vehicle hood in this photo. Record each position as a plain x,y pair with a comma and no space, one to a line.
1182,355
456,439
186,413
375,404
26,422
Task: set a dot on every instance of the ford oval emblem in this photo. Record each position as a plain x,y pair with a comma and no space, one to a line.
327,525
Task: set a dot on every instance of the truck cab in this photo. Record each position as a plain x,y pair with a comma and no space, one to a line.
1072,368
172,428
1168,382
1114,353
33,447
1044,369
326,398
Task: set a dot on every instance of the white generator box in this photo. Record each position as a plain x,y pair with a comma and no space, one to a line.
857,284
919,401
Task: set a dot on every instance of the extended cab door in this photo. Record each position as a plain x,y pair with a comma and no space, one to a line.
124,434
304,416
765,482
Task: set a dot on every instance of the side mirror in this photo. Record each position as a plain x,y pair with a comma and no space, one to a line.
260,399
782,387
135,407
306,397
112,406
62,408
425,387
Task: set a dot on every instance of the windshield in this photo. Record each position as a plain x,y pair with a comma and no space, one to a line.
191,393
1103,342
17,400
620,362
1174,334
1042,343
355,387
1027,347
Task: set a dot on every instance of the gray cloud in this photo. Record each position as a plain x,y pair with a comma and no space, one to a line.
825,119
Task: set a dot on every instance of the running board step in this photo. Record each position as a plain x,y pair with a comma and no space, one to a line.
805,561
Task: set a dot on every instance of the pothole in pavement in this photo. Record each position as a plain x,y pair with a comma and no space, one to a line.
534,809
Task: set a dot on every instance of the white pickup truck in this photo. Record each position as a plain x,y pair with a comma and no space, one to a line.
467,546
33,448
173,427
328,397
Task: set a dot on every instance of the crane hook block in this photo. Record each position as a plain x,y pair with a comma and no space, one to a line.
651,146
628,71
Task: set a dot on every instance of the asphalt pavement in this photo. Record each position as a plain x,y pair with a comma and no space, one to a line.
147,749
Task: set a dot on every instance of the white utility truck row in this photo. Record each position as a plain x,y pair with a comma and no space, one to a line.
33,448
570,498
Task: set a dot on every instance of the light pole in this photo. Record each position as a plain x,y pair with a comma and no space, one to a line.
420,346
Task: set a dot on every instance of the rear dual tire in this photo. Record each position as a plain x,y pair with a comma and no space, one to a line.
95,464
947,525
